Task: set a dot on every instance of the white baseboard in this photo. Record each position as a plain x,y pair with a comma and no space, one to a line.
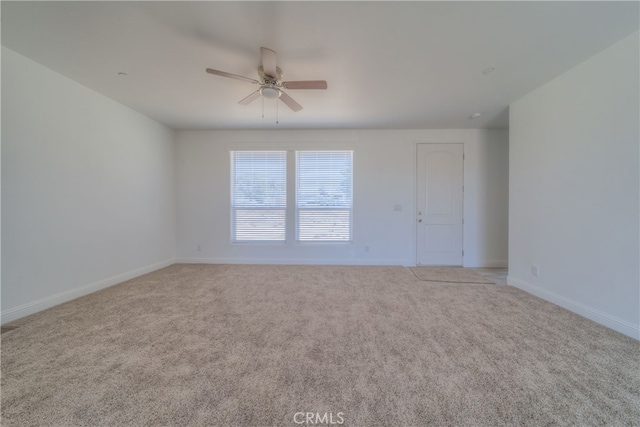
590,313
345,261
44,303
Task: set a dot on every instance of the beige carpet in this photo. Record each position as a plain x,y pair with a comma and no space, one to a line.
223,345
449,275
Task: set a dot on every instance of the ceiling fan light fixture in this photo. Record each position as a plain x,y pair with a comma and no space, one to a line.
270,92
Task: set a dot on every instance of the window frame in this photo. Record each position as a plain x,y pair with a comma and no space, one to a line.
233,208
297,209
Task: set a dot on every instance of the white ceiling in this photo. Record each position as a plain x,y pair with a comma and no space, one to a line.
388,64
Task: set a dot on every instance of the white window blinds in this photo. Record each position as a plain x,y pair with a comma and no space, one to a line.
258,195
324,195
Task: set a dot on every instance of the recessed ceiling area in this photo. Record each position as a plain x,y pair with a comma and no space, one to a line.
393,65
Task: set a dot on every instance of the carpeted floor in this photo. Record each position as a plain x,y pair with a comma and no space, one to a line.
231,345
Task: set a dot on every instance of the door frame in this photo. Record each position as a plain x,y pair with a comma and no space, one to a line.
415,194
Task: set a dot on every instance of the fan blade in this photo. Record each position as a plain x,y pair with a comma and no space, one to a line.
249,99
305,84
290,102
232,76
268,62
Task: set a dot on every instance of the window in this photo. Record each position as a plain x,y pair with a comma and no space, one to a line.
324,196
258,196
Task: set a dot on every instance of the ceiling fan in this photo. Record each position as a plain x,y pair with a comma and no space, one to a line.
271,83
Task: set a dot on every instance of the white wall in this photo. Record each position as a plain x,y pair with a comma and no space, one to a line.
384,176
574,193
88,189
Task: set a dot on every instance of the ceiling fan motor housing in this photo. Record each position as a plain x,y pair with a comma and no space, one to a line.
272,80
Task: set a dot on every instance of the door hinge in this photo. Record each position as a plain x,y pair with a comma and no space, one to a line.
462,253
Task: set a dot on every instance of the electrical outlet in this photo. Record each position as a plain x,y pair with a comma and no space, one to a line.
199,248
535,270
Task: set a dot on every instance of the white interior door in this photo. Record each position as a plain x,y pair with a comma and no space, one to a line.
439,204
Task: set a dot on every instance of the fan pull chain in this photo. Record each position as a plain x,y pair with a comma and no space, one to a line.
262,106
277,103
